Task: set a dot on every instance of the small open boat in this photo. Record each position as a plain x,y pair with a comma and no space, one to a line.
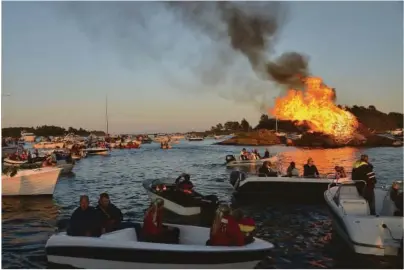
40,181
97,151
380,235
179,202
122,249
231,161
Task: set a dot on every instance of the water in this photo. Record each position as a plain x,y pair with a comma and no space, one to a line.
301,234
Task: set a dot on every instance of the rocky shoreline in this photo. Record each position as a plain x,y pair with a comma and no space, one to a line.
312,140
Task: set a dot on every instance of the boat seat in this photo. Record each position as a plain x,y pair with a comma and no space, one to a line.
349,192
358,207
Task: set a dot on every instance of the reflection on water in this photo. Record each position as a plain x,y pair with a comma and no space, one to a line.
301,234
27,224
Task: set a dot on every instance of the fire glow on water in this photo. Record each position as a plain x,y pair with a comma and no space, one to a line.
316,106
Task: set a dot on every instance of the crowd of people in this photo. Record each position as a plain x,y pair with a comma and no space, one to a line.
253,154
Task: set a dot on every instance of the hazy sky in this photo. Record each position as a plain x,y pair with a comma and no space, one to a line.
59,63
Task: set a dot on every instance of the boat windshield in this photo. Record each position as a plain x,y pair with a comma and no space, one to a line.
162,181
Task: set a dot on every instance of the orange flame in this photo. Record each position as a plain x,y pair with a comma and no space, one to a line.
316,106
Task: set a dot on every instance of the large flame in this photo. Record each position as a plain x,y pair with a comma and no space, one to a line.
315,105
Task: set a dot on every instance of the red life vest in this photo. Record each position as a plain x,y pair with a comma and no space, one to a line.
247,225
186,187
229,234
151,226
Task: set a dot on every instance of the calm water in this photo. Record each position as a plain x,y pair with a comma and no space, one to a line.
301,234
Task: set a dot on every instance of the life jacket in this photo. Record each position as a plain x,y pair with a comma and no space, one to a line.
229,233
186,187
247,225
152,223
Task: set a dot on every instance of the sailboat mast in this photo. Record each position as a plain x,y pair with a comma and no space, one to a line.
106,111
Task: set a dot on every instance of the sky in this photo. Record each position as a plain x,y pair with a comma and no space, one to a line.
59,64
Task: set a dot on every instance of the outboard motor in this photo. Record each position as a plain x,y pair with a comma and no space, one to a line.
236,177
230,158
209,205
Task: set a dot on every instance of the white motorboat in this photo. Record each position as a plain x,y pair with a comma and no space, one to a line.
123,249
40,181
97,151
195,138
231,161
48,145
282,188
28,137
178,202
380,235
7,150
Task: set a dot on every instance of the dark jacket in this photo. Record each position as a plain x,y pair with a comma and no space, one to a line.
82,222
266,154
310,171
364,171
110,218
264,171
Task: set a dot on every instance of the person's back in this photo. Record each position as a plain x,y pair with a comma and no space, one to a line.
363,171
229,233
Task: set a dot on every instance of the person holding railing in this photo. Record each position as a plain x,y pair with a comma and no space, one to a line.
362,170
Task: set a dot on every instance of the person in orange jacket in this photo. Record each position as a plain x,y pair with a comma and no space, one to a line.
225,230
153,228
246,224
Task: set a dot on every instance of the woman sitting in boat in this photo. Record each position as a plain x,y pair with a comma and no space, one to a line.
246,224
244,154
310,170
110,215
153,228
292,170
266,170
84,220
225,230
340,172
184,183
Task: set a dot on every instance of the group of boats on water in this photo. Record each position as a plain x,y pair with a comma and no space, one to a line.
366,233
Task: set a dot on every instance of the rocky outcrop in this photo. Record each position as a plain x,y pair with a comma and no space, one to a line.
261,137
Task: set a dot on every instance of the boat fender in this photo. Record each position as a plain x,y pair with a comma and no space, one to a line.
230,158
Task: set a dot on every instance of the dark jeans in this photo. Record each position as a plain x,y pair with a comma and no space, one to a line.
369,195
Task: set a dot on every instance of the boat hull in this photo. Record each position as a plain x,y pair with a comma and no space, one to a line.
87,263
102,152
355,238
31,182
48,145
285,189
29,138
237,163
176,208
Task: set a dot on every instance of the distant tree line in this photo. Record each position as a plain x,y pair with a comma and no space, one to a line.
47,131
231,126
369,117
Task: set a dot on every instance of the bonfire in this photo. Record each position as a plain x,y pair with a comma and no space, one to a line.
315,108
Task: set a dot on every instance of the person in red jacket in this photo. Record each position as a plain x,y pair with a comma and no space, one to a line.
184,183
153,228
246,224
225,230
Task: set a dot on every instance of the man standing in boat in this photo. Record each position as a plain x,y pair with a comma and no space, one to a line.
362,170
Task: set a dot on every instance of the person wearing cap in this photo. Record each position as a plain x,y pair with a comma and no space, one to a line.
362,170
84,220
246,224
110,215
153,228
225,230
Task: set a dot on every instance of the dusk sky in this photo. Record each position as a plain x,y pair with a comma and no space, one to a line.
59,64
